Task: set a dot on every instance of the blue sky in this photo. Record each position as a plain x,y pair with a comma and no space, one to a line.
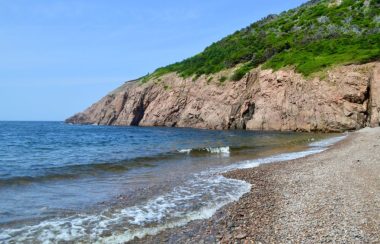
60,56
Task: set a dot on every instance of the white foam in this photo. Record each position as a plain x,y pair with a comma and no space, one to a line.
184,150
221,150
215,150
175,208
198,198
327,142
315,147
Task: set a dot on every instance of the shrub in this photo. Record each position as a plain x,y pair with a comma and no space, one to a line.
303,37
240,72
222,79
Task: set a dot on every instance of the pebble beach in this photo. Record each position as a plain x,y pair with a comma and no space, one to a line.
333,196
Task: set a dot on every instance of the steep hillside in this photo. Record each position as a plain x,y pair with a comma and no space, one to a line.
314,68
314,36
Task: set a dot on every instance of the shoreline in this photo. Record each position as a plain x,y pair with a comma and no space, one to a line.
197,195
324,197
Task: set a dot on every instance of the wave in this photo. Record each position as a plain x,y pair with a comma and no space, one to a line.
198,198
327,142
314,148
75,171
212,150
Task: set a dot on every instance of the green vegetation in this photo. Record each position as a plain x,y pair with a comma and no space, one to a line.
310,38
241,71
209,79
325,53
145,78
222,79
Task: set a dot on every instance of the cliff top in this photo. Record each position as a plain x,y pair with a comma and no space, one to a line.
314,36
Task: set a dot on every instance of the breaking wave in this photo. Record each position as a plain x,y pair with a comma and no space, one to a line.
213,150
198,198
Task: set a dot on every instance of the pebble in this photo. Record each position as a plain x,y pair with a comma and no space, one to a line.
301,201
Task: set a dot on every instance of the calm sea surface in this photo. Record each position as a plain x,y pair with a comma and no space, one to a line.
62,182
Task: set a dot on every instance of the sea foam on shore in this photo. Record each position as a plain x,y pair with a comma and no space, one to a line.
198,198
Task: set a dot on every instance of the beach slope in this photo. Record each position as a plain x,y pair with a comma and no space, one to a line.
333,196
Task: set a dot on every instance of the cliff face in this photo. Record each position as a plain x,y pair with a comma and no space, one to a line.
346,98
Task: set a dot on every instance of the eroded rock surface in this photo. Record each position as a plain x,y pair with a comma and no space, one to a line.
347,98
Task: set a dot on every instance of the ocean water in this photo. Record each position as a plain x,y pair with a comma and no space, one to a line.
62,182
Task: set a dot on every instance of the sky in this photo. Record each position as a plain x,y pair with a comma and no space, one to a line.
57,57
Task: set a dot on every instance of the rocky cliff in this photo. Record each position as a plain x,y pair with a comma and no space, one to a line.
344,98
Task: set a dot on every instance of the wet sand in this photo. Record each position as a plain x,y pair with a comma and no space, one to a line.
333,196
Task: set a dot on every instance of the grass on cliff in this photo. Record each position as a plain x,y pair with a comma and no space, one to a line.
314,36
319,55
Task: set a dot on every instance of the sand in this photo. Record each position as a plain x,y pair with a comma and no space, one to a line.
332,196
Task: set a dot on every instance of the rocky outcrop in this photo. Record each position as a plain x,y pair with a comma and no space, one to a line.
374,108
346,98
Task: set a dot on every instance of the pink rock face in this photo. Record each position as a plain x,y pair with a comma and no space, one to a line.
374,102
347,98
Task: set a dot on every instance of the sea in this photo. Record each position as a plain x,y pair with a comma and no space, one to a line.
111,184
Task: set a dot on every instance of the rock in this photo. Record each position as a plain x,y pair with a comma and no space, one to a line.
348,99
374,107
241,235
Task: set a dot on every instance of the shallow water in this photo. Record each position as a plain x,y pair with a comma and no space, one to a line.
98,183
